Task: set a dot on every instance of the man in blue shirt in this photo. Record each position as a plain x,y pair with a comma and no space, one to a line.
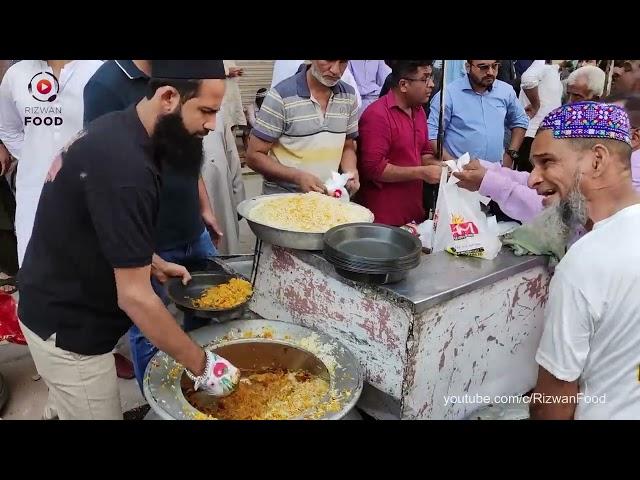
476,111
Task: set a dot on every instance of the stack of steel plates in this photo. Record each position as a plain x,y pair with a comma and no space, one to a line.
372,252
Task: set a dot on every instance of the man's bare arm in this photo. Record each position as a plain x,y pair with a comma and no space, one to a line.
259,160
558,400
138,300
430,159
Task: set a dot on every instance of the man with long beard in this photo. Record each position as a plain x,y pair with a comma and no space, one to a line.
186,227
507,187
589,354
87,272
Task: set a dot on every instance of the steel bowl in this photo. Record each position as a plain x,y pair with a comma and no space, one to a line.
253,345
372,253
375,268
373,278
372,243
279,236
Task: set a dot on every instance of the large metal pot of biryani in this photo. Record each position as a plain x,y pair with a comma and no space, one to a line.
287,372
290,236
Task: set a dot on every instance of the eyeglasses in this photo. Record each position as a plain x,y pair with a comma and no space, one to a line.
425,80
484,67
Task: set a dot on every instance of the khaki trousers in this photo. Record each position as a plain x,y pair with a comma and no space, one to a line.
81,387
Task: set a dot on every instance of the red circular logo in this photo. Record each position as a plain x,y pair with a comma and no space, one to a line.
219,369
44,86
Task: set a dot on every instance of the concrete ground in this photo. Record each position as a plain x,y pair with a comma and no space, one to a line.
28,392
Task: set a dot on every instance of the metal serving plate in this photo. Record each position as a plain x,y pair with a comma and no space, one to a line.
184,295
278,236
372,243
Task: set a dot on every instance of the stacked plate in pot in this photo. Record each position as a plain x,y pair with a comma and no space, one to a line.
372,252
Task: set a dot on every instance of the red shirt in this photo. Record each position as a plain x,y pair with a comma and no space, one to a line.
388,135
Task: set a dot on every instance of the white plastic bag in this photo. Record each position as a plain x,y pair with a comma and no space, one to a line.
460,225
424,232
336,186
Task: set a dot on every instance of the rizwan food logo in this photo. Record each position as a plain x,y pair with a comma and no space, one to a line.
44,87
461,229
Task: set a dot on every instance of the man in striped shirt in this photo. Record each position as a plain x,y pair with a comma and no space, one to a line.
306,128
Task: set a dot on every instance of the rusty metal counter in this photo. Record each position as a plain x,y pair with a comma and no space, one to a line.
442,276
454,326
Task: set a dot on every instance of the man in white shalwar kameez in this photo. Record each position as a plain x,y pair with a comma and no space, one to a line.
41,110
222,175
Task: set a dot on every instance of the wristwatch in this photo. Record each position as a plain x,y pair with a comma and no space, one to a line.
513,154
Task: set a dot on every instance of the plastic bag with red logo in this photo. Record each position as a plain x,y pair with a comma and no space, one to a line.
9,328
460,225
336,186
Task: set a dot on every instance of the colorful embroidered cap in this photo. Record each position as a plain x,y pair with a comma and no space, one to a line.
588,120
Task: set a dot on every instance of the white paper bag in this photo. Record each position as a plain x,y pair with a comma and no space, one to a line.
460,225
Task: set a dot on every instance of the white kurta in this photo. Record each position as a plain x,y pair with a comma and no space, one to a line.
547,79
222,176
232,101
28,127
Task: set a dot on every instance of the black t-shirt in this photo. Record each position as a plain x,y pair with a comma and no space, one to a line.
96,213
179,218
116,85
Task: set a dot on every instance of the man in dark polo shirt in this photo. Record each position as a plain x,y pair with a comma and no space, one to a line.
185,222
394,154
116,85
87,272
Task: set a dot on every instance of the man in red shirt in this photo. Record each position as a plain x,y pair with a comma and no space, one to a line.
394,154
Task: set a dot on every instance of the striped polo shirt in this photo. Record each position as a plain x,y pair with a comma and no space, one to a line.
302,136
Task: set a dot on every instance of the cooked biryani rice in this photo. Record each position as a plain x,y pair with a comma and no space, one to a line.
311,212
225,295
270,395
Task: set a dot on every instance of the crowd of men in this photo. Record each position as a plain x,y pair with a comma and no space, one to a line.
128,174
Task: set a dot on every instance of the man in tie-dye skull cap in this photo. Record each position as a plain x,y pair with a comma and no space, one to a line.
589,353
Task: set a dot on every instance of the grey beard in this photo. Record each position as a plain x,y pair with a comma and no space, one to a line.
316,74
560,221
553,226
573,209
553,229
